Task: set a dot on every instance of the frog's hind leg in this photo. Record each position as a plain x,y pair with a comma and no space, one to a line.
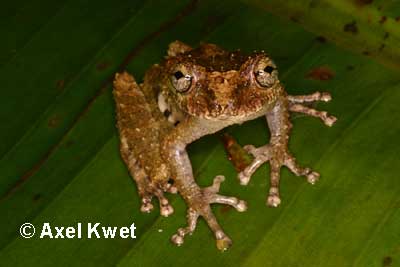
295,106
141,179
139,145
146,188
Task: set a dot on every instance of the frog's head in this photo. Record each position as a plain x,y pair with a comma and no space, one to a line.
212,83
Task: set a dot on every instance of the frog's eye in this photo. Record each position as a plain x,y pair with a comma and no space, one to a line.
265,73
181,81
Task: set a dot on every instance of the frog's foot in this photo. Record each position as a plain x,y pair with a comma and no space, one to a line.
165,208
151,190
199,205
147,190
278,156
295,106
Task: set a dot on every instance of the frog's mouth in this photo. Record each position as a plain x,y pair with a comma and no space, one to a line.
171,113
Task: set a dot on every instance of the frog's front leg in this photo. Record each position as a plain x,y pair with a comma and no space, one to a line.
197,199
276,152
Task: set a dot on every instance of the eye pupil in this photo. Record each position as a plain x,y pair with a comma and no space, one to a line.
178,75
269,69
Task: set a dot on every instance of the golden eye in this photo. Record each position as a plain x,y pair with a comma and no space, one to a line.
181,81
265,73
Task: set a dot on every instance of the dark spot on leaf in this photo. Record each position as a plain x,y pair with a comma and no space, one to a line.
69,143
387,261
36,197
368,197
295,18
383,19
313,4
350,67
381,47
102,65
362,3
211,23
323,73
397,19
367,53
24,178
302,238
54,121
379,8
351,27
321,39
60,84
386,36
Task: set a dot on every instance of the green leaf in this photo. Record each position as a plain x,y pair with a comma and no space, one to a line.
367,27
59,159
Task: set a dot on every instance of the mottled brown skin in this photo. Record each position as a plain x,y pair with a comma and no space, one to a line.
196,92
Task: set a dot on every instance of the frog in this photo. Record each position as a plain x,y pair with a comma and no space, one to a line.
198,91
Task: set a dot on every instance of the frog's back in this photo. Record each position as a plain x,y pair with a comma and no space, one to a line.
214,58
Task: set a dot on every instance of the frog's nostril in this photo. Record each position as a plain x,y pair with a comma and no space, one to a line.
220,79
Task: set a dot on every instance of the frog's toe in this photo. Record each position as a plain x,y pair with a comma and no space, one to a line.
261,155
172,189
330,120
165,208
313,177
325,96
241,206
244,178
273,201
146,204
214,188
238,204
177,240
291,163
211,196
169,187
179,237
327,119
316,96
223,241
